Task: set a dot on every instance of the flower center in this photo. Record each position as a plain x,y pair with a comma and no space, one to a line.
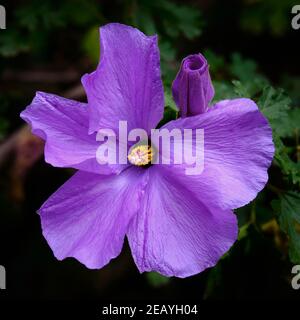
140,155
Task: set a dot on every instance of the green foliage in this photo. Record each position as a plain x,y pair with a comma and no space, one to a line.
289,168
246,71
183,19
240,90
251,264
91,44
12,43
35,21
270,16
292,85
247,81
169,102
223,90
288,209
166,18
275,104
290,124
156,279
216,62
170,21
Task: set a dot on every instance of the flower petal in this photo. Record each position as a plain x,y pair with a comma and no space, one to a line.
174,233
63,124
127,84
87,218
238,149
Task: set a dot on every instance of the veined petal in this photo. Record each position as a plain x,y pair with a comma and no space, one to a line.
63,124
127,84
174,233
87,218
238,150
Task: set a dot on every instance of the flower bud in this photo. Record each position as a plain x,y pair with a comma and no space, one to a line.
192,88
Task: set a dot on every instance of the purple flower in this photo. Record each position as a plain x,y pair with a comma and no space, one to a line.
176,224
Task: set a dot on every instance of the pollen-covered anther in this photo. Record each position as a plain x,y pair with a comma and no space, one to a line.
140,155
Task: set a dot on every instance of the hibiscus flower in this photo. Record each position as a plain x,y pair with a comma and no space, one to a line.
176,224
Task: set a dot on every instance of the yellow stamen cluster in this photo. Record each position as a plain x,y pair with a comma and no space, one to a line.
140,155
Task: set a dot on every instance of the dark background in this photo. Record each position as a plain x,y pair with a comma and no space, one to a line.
48,45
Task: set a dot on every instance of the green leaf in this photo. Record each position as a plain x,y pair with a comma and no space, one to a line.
169,102
242,68
223,90
289,126
216,62
167,52
168,64
288,209
145,21
283,160
274,103
245,70
180,19
157,280
240,90
91,45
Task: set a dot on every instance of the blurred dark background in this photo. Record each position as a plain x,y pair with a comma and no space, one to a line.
252,50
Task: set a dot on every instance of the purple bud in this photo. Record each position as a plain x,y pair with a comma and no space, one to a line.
192,88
